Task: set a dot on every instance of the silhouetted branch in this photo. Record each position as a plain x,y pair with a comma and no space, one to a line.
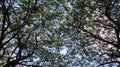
108,63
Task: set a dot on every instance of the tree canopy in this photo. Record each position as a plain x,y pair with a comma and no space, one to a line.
59,33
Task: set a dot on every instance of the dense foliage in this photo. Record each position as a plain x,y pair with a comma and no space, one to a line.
99,21
59,33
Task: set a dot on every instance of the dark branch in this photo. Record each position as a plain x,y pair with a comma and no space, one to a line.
108,63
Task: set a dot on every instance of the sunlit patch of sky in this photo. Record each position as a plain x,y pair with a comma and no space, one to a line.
50,49
64,50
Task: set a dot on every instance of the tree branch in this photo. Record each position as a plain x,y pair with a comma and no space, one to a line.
108,63
100,38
